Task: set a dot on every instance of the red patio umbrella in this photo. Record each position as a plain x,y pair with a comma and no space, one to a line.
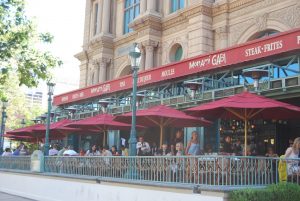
19,137
246,106
102,122
24,131
56,128
163,116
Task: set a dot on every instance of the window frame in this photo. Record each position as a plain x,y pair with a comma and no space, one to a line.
176,5
132,9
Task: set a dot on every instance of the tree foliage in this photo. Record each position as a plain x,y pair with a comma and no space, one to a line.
18,108
19,53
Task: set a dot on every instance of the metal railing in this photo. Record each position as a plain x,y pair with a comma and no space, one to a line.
205,170
185,170
15,163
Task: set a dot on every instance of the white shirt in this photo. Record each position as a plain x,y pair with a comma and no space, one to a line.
143,146
53,152
70,152
7,154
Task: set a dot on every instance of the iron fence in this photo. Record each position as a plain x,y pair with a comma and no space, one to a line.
196,170
15,163
206,170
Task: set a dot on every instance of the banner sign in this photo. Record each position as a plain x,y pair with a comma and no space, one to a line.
257,49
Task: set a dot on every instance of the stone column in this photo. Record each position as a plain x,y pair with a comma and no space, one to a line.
143,6
222,34
99,16
87,22
102,70
151,6
96,68
106,16
149,57
119,18
142,65
149,53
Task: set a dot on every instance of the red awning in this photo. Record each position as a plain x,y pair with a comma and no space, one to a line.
163,116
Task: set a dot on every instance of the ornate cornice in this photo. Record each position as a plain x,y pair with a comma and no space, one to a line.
229,7
101,41
184,15
147,21
125,39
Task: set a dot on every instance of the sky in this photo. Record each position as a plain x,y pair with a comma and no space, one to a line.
64,19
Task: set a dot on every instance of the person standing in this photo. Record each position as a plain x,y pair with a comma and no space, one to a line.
293,153
193,146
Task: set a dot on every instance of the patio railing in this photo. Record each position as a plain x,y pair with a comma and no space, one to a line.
15,163
205,170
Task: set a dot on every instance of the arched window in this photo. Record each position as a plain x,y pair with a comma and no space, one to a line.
131,11
176,53
262,34
176,5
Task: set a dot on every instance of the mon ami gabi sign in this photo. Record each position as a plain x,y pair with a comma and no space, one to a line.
284,42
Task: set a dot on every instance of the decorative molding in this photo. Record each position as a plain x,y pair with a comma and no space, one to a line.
236,31
130,37
261,22
236,8
289,16
222,32
185,14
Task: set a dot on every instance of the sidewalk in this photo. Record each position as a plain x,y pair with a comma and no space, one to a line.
8,197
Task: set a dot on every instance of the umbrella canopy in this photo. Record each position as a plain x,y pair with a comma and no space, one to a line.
19,137
56,128
246,106
24,131
163,116
102,122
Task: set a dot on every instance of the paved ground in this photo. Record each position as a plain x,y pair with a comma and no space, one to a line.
8,197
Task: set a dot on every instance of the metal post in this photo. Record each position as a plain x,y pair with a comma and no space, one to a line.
135,62
50,92
132,141
2,128
48,125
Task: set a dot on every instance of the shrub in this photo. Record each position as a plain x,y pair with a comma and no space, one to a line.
275,192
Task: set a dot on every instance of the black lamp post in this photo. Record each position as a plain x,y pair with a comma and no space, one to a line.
3,120
135,58
50,93
23,123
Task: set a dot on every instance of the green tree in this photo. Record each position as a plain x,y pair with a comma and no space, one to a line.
19,54
17,108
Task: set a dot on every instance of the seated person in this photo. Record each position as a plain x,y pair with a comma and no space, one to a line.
179,149
70,151
271,153
227,147
164,150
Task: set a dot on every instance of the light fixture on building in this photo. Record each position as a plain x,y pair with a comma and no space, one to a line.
256,74
193,86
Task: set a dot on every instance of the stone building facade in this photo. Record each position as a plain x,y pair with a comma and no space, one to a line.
172,30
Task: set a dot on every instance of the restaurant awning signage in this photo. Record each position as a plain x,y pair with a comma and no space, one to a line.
257,49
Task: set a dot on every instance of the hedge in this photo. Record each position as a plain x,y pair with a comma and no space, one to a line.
275,192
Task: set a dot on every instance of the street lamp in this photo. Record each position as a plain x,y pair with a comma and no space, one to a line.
135,59
23,123
50,93
3,120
